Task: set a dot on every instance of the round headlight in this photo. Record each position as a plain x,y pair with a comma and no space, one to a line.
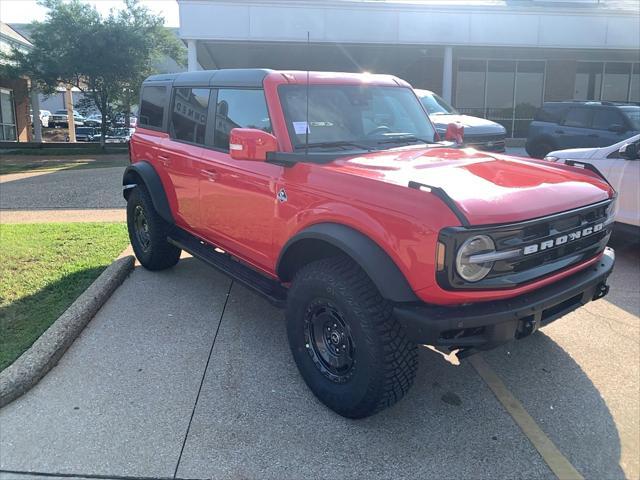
472,271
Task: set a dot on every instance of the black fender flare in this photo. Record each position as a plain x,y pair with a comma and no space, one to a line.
377,264
143,172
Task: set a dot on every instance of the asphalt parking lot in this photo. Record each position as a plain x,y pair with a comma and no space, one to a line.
184,374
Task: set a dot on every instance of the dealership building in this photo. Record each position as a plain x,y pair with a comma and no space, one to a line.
498,59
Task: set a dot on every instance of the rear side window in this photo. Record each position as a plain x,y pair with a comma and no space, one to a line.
189,114
152,105
578,117
239,109
603,119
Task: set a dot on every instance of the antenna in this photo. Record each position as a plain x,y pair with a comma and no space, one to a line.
306,133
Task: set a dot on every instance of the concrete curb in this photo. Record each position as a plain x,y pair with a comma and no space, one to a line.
43,355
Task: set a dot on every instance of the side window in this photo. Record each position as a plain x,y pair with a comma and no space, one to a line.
152,104
578,117
239,109
189,114
604,118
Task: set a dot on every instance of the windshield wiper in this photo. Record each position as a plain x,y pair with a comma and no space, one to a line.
404,139
344,144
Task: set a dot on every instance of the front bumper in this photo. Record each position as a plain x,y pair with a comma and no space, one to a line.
482,326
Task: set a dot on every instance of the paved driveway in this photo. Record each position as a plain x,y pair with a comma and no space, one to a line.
185,374
88,188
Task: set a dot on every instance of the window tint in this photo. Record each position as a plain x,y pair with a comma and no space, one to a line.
189,114
577,117
152,102
239,109
604,118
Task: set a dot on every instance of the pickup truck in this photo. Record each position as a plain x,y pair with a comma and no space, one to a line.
332,195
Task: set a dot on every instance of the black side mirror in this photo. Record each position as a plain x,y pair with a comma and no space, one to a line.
617,128
629,151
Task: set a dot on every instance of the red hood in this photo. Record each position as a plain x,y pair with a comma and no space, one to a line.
487,189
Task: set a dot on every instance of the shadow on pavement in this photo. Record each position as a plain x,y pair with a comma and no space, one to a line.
564,402
625,279
256,418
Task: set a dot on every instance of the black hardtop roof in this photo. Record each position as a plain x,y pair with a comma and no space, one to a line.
238,77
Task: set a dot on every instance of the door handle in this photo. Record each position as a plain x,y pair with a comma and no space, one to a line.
560,131
211,175
164,160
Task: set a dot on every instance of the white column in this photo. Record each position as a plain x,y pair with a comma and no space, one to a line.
35,109
192,56
447,74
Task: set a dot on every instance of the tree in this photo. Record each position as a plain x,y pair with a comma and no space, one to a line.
105,57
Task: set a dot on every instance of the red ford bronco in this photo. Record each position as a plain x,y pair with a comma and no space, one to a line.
332,195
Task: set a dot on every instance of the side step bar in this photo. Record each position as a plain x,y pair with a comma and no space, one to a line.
272,290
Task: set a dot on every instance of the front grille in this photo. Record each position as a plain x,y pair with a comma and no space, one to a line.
544,261
473,139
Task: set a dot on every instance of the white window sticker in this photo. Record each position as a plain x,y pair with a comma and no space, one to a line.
301,128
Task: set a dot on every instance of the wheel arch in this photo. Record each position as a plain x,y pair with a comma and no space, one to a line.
143,173
330,239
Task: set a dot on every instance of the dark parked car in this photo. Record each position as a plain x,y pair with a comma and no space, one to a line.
578,124
479,133
86,134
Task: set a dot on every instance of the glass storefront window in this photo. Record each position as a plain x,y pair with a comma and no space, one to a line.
616,81
529,92
634,90
470,86
509,93
7,116
588,83
501,77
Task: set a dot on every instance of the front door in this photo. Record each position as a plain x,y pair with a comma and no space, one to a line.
238,199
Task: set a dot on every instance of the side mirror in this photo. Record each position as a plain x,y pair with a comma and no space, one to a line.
455,133
617,128
629,151
251,144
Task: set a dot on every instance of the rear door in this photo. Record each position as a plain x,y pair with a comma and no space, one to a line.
183,156
604,123
575,130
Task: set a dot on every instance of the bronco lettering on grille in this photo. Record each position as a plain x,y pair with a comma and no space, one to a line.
562,239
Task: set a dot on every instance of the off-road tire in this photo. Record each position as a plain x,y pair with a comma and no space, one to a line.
384,360
158,254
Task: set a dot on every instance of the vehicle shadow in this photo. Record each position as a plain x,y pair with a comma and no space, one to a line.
256,418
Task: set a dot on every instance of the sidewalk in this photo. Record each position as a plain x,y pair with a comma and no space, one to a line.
63,216
184,374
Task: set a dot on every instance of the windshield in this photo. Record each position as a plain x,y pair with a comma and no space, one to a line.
436,105
353,116
633,114
84,130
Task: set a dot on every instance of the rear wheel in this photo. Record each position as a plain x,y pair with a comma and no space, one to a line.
349,348
148,232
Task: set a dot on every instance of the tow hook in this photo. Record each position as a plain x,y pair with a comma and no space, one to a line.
601,291
450,357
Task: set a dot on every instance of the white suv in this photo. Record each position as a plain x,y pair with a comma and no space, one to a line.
620,164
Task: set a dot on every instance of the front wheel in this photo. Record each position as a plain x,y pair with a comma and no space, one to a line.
349,348
148,232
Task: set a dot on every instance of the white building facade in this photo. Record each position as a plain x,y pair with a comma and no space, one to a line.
498,59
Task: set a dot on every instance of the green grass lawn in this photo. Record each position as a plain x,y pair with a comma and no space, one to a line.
43,269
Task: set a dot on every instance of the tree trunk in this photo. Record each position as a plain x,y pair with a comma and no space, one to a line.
68,98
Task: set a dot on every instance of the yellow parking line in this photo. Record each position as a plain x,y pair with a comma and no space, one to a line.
557,462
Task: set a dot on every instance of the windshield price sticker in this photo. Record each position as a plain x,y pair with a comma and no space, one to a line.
301,128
